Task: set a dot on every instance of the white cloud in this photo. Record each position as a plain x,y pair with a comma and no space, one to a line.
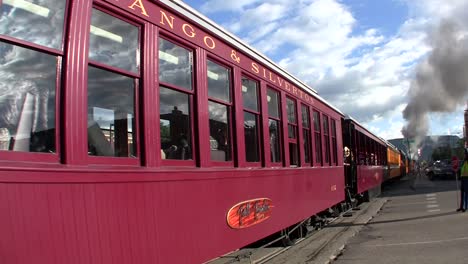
213,6
365,74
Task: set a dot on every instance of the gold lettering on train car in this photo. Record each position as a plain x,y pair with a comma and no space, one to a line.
164,17
271,78
301,94
287,87
213,44
264,73
234,56
189,34
294,90
139,4
280,81
255,67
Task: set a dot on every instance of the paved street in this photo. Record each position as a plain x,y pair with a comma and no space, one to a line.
418,226
403,225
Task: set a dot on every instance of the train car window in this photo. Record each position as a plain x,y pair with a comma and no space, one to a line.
362,149
111,125
374,152
334,142
175,124
39,22
273,103
306,134
251,119
27,99
274,121
250,94
113,42
29,74
326,139
251,135
220,136
219,109
175,64
318,139
112,85
219,82
292,132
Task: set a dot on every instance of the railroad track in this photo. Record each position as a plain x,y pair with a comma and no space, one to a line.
267,252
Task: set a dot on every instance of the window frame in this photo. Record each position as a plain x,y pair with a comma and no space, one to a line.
138,87
231,108
307,129
192,98
318,148
60,58
326,140
258,115
279,121
295,127
334,141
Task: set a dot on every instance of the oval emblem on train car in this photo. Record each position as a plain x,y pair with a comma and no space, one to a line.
249,213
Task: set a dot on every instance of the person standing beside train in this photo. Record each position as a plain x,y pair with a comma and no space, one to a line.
464,184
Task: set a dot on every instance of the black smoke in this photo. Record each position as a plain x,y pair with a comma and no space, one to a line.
441,81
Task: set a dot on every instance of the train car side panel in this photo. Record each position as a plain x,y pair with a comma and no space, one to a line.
153,222
369,177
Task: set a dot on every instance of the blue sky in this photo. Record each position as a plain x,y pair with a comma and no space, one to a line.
362,56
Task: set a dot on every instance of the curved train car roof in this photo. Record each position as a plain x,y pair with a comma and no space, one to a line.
207,24
364,130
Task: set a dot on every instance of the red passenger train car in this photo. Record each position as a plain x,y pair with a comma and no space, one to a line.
365,160
137,131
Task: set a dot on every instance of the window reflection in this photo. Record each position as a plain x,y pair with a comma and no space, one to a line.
318,139
291,109
275,153
175,65
111,119
306,136
273,102
293,154
326,139
27,99
251,137
306,133
251,119
39,22
305,116
219,83
249,94
113,42
334,143
176,139
219,132
292,132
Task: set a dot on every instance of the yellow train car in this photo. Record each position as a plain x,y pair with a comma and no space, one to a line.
393,162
